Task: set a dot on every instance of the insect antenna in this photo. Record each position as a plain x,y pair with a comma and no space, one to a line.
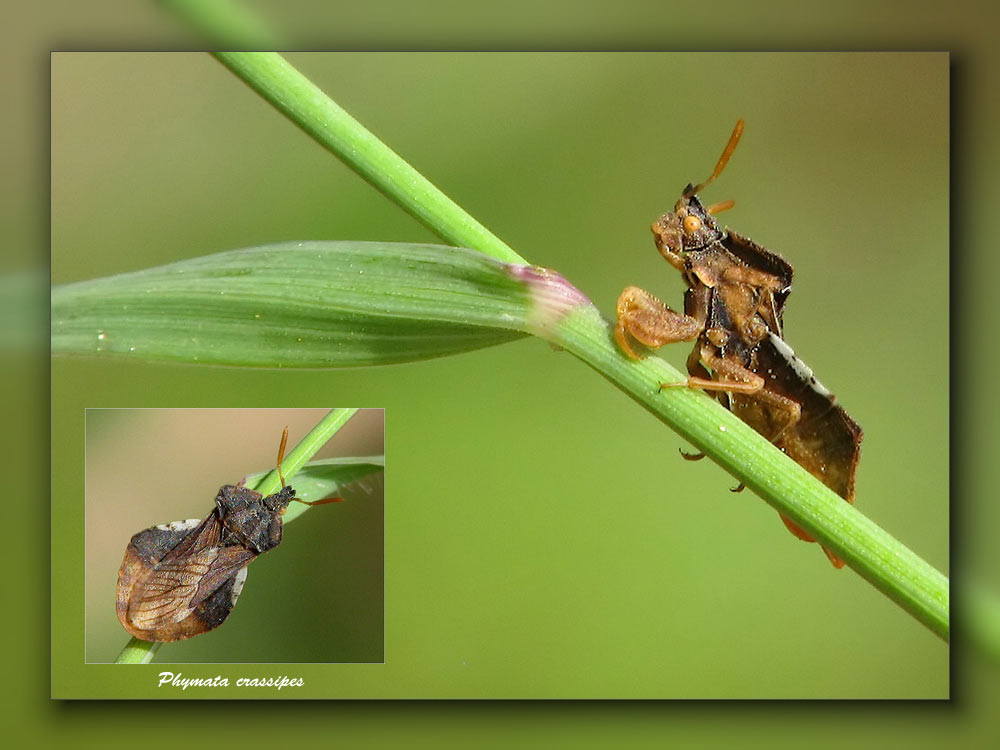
324,501
281,456
717,208
721,164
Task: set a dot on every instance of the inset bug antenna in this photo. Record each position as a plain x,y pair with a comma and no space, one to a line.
726,153
281,454
324,501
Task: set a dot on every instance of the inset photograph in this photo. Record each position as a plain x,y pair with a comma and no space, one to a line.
235,535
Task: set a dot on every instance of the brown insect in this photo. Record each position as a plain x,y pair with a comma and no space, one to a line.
182,579
733,310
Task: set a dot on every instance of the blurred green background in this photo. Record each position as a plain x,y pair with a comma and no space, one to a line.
543,537
320,599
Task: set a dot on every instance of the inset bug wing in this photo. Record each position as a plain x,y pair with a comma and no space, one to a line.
228,563
166,595
204,536
175,587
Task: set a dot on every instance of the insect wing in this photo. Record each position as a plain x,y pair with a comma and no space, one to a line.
144,552
825,441
204,536
757,257
166,595
175,588
175,582
228,562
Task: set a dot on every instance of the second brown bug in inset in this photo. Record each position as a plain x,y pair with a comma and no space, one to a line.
181,579
733,311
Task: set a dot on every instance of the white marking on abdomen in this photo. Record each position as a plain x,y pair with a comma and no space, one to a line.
801,368
179,525
238,581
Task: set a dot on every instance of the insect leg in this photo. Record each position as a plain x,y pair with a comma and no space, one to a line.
733,378
805,536
730,376
649,321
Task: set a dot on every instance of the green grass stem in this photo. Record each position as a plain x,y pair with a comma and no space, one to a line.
299,99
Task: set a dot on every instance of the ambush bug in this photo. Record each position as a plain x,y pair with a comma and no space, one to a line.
182,579
733,311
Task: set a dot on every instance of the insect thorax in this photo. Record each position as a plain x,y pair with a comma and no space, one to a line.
249,519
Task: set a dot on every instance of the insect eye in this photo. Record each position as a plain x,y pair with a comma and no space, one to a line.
691,224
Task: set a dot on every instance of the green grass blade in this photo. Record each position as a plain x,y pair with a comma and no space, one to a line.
300,304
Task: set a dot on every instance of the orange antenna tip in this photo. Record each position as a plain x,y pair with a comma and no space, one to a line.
723,160
721,206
